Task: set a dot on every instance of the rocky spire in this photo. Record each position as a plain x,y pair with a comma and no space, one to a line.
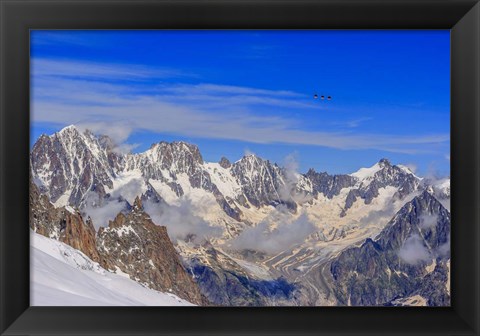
225,163
137,204
143,250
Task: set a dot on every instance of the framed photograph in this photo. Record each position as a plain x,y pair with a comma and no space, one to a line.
251,168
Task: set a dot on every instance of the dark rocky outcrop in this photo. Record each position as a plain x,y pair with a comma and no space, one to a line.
132,243
64,225
387,175
73,162
377,273
138,247
329,185
224,163
225,283
261,181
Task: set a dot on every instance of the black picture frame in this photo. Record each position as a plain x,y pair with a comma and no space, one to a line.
17,17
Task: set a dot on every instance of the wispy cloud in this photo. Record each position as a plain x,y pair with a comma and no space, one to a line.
353,123
414,251
98,71
63,94
279,231
182,221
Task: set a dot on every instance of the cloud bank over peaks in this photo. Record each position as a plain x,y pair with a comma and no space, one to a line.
276,233
182,221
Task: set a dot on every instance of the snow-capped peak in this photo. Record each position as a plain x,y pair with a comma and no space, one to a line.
69,128
248,158
408,170
367,173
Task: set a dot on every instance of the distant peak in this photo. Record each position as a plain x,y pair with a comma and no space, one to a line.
427,193
68,128
157,144
174,144
224,162
89,133
250,156
384,162
137,204
368,173
253,160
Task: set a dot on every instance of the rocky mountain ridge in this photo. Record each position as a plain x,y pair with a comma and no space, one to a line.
70,165
82,171
132,244
408,258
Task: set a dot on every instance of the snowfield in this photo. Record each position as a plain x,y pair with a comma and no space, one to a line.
63,276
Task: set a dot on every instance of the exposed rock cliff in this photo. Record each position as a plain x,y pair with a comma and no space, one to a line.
409,257
138,247
131,243
64,224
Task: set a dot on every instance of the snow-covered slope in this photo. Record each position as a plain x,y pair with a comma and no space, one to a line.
63,276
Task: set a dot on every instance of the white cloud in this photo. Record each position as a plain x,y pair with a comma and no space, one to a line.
181,221
248,152
102,211
289,190
213,89
130,190
353,123
428,221
118,132
413,167
96,71
414,250
94,95
443,251
279,231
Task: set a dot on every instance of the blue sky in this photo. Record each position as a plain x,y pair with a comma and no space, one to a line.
232,92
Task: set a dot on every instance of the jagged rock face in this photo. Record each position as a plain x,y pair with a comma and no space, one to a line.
390,175
115,159
80,235
329,185
386,175
434,285
71,162
395,265
225,288
173,158
138,247
152,195
225,163
61,224
260,180
371,274
69,165
440,189
132,243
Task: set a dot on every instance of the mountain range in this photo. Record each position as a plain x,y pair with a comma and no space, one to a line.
248,232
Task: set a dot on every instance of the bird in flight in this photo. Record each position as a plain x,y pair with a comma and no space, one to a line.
322,97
